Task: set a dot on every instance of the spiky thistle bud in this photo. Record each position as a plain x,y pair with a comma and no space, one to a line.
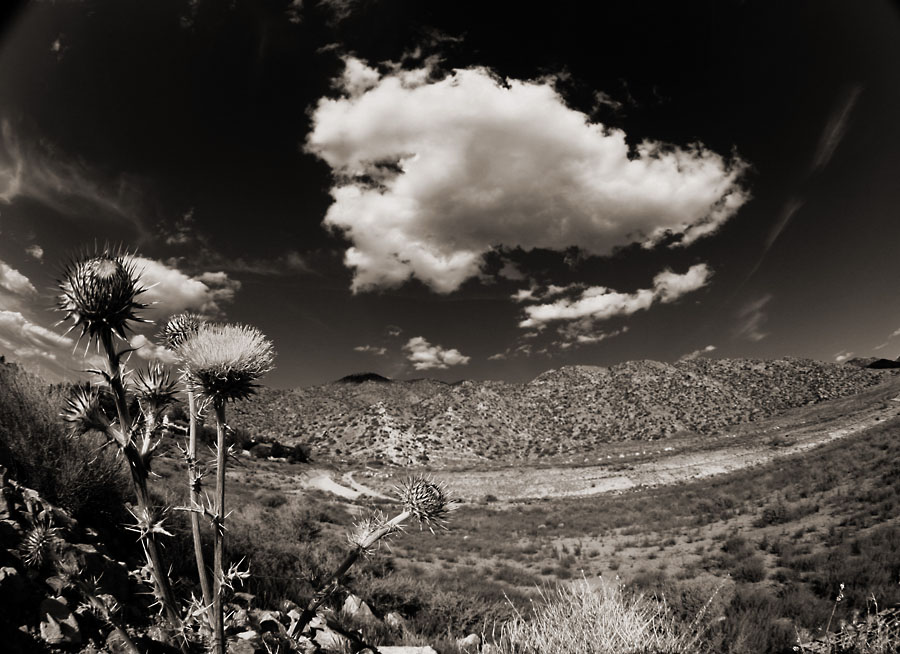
37,542
427,500
154,388
83,411
99,292
223,362
180,328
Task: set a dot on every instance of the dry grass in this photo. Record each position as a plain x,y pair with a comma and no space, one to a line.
578,619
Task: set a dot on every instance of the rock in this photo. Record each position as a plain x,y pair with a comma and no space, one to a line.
358,609
406,649
239,646
490,648
395,621
471,643
58,623
261,451
269,621
239,620
247,635
93,564
331,640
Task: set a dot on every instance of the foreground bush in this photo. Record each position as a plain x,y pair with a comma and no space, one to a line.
580,620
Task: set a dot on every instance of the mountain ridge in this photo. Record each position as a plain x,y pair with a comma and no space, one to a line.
562,411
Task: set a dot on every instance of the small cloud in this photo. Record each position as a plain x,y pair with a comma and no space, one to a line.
602,99
511,272
294,12
35,251
896,332
840,357
751,318
523,295
393,331
15,282
425,356
371,349
500,356
573,338
690,356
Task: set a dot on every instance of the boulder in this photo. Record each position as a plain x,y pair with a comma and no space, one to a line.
406,649
357,609
58,623
269,621
471,643
240,646
395,621
329,639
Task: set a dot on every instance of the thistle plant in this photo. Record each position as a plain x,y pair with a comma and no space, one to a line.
423,499
99,295
222,364
179,329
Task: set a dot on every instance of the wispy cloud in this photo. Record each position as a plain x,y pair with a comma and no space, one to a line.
371,349
599,303
433,172
835,129
751,318
71,187
425,356
690,356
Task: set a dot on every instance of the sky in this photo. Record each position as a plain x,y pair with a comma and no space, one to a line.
460,190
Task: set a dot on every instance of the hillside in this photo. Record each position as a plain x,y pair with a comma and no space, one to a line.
564,412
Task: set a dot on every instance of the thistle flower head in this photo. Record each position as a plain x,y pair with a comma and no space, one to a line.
368,532
83,411
223,362
180,328
154,388
37,543
99,293
427,500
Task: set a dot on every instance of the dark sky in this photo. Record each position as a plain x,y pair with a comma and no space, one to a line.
447,190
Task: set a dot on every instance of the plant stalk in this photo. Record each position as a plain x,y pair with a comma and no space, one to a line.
139,474
193,488
219,533
328,588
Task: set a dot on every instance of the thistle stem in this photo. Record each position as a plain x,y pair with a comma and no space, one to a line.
193,487
139,475
219,533
328,588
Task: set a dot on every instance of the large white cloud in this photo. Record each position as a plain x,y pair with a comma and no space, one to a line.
171,291
598,303
425,356
433,174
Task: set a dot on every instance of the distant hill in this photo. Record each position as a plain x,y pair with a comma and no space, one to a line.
360,377
565,411
873,363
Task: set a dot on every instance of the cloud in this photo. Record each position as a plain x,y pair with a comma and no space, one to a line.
573,336
840,357
751,317
14,281
599,303
71,187
690,356
35,251
15,327
147,349
432,174
425,356
171,291
896,332
371,349
393,331
835,129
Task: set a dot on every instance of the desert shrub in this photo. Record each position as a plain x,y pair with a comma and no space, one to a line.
577,619
73,473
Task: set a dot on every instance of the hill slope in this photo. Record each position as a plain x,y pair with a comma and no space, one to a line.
561,412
